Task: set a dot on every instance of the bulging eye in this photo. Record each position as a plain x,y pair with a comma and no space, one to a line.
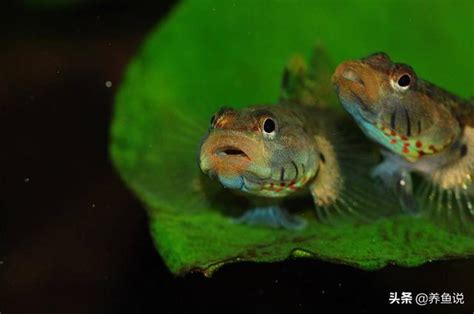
402,83
269,127
404,80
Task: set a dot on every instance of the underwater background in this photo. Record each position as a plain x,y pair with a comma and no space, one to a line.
207,54
76,239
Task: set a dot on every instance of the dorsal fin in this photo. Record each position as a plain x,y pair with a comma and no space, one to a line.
308,84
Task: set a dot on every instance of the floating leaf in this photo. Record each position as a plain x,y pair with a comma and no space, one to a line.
213,53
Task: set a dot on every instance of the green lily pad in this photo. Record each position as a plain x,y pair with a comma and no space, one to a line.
213,53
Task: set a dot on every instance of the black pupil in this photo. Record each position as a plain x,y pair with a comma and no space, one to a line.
404,80
269,126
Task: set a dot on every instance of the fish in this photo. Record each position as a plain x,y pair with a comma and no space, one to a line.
273,152
422,130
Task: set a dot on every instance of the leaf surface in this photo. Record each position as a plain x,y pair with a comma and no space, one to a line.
213,53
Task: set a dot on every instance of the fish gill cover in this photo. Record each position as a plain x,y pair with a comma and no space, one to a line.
213,53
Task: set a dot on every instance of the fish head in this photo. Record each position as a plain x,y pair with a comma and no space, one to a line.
393,106
261,150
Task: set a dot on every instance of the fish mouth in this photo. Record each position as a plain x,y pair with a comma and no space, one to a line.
232,156
350,85
349,73
231,168
229,151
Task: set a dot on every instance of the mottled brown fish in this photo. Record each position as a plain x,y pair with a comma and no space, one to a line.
271,152
421,127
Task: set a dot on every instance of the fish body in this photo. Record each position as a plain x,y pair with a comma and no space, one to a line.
421,127
270,153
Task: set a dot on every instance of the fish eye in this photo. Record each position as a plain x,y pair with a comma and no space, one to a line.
269,127
402,83
404,80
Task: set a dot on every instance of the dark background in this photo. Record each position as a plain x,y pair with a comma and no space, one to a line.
73,237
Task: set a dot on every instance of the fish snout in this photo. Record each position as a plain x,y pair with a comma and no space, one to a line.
348,73
352,81
352,75
228,155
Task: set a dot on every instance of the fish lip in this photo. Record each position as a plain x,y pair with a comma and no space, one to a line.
215,161
345,75
227,151
230,151
347,72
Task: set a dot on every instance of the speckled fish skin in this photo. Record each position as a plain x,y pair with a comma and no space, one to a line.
276,161
302,144
414,121
421,127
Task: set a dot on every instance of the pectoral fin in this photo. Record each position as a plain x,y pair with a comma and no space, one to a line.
398,179
272,216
